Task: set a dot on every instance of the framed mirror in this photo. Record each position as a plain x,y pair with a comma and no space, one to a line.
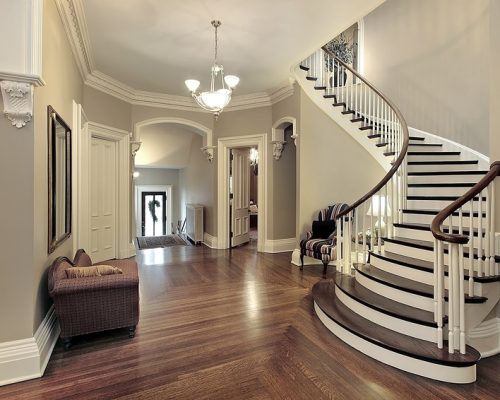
59,173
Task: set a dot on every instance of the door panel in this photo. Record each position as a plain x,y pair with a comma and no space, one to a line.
240,220
103,199
153,213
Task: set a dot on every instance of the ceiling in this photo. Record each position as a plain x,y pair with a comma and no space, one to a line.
154,45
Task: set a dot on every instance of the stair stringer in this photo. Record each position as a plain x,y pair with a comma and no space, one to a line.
344,121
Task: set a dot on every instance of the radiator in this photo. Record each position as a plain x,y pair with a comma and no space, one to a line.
194,222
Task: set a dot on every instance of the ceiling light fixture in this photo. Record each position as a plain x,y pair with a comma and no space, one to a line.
214,100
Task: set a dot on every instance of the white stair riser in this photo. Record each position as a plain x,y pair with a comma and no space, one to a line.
427,219
395,324
415,147
437,157
465,178
437,191
442,167
424,235
410,299
432,204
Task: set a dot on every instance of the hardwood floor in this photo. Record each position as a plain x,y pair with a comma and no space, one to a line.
230,325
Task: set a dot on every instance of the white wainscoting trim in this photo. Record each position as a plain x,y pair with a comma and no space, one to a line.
279,245
209,240
485,338
25,359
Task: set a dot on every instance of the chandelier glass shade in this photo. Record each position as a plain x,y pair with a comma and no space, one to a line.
214,100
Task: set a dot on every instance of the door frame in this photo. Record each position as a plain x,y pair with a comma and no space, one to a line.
152,188
223,146
124,247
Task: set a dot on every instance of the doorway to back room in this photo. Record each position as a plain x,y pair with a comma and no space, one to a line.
153,213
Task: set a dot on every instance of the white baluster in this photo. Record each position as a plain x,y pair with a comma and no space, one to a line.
480,271
495,251
487,234
339,244
471,248
356,238
363,215
435,279
440,292
451,294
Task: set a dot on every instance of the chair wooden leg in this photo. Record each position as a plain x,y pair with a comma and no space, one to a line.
67,343
131,331
301,261
325,266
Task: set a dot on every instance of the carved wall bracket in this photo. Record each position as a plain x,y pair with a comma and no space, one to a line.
209,152
278,146
134,147
17,101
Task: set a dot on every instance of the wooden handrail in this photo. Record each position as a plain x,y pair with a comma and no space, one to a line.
474,191
404,147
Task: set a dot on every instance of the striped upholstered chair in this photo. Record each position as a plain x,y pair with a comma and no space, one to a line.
317,246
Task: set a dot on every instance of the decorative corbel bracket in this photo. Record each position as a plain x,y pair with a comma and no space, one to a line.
278,146
17,101
209,152
134,147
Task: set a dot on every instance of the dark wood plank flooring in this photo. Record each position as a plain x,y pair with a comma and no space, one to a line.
230,325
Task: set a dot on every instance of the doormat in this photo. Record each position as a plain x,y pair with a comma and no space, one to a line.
154,242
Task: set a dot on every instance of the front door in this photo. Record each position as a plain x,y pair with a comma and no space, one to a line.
154,213
240,202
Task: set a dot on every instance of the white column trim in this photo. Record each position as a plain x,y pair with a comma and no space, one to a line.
224,144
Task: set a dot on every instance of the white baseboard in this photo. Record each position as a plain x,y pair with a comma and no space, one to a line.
25,359
209,240
485,338
307,260
279,245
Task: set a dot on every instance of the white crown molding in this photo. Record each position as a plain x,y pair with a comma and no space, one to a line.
73,17
25,359
17,102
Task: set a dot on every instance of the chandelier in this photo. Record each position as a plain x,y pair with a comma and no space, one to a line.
214,100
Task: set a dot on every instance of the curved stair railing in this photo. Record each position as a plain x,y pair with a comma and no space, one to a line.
383,121
471,249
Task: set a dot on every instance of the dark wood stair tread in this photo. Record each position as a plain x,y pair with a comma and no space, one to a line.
435,212
427,228
426,266
365,128
382,144
426,144
358,292
324,296
320,87
304,68
348,112
357,119
330,96
444,162
433,153
339,104
426,245
439,198
406,285
444,184
311,78
431,173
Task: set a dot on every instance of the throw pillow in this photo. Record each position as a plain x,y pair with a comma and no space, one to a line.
95,270
322,229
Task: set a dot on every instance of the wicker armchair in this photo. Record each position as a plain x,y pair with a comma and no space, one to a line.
94,304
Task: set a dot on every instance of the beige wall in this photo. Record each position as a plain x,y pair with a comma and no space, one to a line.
105,109
166,177
430,57
333,166
197,185
16,230
63,85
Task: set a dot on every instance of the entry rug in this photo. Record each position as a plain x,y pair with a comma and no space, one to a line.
154,242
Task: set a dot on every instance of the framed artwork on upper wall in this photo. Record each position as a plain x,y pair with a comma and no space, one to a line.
59,182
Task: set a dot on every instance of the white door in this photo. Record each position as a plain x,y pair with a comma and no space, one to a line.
102,200
240,221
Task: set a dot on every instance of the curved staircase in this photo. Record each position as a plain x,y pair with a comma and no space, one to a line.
408,297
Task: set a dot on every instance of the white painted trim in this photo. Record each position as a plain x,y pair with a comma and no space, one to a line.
209,240
25,359
485,338
361,46
123,178
280,245
484,161
399,325
223,147
415,366
152,188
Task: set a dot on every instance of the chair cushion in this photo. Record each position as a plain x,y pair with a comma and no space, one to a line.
322,229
